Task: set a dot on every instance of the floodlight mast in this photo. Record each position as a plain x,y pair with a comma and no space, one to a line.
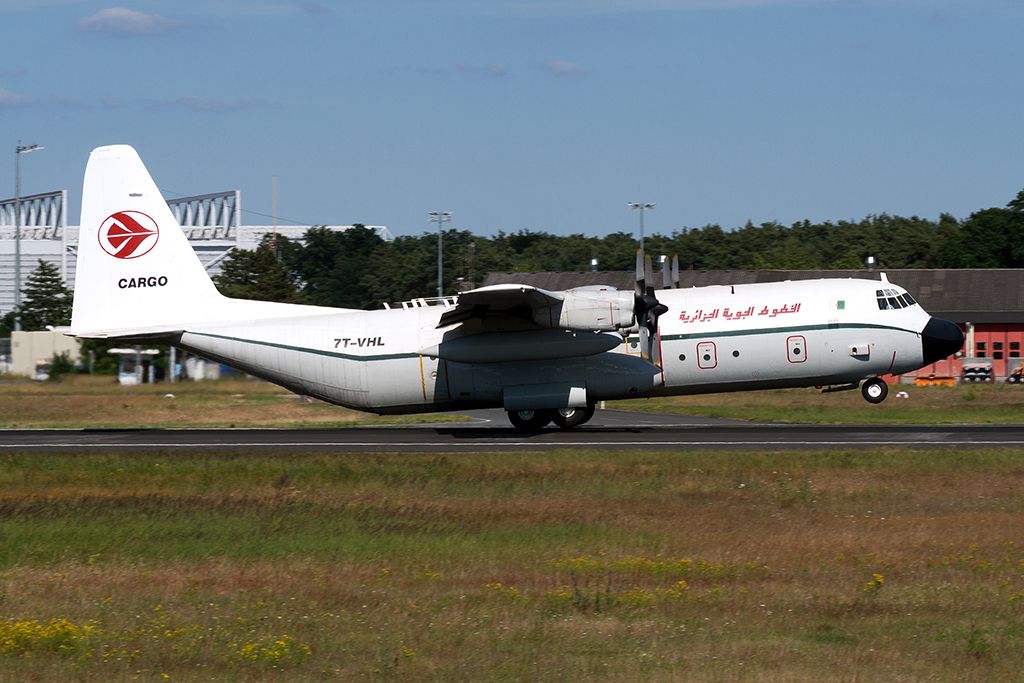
440,217
642,206
18,151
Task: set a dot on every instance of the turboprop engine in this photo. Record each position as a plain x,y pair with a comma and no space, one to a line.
594,308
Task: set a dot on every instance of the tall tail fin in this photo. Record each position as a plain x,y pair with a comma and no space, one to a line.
137,272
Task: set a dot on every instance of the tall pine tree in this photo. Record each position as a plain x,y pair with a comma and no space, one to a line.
45,300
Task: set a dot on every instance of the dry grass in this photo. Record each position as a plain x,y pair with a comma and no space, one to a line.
968,403
80,401
880,565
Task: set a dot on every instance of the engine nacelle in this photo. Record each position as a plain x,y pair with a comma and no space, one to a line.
599,309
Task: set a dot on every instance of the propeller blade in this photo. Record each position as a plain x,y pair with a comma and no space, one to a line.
655,347
647,308
645,347
666,281
650,335
640,284
675,271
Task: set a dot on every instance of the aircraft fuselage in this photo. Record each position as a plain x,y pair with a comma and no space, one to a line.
712,339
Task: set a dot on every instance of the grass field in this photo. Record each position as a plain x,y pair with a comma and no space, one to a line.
100,402
80,401
963,404
568,566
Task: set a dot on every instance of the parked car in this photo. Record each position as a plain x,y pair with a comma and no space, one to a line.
976,374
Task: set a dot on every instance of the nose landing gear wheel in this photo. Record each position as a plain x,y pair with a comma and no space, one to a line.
530,420
568,418
874,390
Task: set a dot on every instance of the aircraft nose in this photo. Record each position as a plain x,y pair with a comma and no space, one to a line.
939,339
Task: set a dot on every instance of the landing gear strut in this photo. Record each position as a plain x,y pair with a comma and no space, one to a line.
874,390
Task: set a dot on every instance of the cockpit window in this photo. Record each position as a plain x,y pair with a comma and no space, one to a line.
890,299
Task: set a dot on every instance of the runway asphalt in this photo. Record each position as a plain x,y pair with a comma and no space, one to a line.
488,431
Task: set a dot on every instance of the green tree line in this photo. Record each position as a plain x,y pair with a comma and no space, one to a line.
358,269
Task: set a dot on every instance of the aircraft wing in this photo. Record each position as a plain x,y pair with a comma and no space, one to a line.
517,301
593,308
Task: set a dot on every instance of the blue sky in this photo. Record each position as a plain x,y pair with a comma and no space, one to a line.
529,114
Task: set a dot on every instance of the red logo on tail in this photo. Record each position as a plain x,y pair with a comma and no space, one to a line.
128,234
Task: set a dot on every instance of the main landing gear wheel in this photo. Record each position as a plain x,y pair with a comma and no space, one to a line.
874,390
530,420
568,418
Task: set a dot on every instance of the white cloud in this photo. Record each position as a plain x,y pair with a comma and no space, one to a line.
126,22
11,99
561,67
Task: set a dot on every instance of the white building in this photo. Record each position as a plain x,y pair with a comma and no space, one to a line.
211,221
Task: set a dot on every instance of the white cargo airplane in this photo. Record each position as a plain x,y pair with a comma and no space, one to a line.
541,355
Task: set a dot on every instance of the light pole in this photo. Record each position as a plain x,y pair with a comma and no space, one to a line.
440,217
18,151
642,206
